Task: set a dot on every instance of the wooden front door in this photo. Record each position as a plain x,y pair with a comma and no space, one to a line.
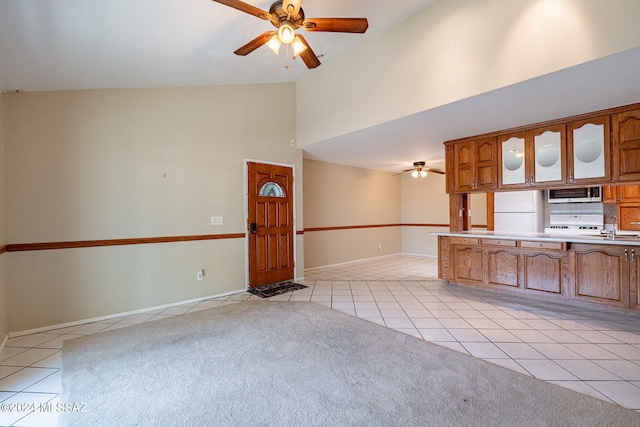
270,222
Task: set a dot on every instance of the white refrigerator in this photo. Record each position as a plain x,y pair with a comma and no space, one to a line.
519,211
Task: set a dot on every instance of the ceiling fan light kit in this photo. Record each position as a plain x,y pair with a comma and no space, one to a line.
419,174
419,170
287,16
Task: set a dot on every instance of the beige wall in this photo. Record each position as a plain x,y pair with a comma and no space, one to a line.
456,49
110,164
337,195
424,201
4,305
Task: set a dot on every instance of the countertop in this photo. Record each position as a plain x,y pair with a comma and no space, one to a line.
623,238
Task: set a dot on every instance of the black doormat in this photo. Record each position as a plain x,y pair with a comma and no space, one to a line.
274,289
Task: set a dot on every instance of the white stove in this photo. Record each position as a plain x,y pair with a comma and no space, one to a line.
575,223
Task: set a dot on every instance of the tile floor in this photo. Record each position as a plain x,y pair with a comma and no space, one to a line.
592,352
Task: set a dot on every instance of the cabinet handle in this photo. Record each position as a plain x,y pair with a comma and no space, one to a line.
539,245
498,241
570,176
634,222
633,254
626,255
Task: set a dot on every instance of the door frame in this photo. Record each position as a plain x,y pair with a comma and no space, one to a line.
246,217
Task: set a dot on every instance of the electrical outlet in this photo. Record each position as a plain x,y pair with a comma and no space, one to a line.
200,274
217,220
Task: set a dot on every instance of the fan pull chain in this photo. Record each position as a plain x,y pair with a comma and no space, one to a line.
286,65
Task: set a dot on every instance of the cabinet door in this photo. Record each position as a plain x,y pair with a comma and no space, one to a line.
449,167
588,146
601,274
512,155
544,271
502,268
486,164
629,194
469,264
634,282
626,146
629,218
463,157
609,194
549,154
513,158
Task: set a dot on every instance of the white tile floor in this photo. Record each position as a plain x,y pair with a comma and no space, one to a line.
592,352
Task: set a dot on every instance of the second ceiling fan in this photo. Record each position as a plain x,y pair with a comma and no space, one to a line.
287,16
419,170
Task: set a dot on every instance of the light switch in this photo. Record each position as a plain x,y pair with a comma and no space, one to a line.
216,220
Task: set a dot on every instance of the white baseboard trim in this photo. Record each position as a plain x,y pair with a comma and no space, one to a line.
4,341
369,259
420,255
351,262
112,316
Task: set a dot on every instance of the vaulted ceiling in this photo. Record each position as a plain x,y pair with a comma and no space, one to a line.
74,44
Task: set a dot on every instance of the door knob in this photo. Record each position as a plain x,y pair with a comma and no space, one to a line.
254,228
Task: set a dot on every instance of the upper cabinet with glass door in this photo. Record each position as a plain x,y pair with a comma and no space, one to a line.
550,154
533,158
589,148
514,155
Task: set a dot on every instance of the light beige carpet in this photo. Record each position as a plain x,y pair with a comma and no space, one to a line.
301,364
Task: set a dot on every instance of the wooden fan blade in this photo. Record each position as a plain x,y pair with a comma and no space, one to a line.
436,171
307,55
255,43
337,25
247,8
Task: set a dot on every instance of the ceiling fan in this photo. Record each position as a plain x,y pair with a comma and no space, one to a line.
420,171
287,16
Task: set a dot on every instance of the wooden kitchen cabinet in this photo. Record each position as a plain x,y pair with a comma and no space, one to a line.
604,274
629,218
588,151
609,194
533,267
533,158
514,158
469,264
545,267
503,267
626,146
628,194
474,166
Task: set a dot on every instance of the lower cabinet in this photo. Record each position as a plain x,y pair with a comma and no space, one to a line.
606,274
530,267
469,264
545,272
503,268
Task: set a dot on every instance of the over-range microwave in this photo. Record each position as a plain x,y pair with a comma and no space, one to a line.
575,195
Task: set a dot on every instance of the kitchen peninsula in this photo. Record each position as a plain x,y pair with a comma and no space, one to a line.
594,270
583,269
